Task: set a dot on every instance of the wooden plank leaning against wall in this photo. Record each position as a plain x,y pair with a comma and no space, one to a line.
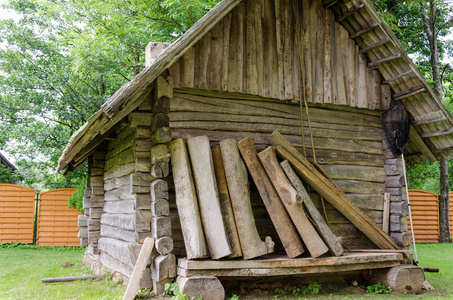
348,144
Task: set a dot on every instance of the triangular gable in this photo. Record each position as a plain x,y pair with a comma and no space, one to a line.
343,65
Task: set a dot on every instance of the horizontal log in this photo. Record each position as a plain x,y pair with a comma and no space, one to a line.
118,233
194,103
370,174
119,207
72,278
117,249
122,221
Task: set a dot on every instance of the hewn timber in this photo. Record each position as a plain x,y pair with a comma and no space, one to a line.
331,240
225,204
292,201
337,198
238,186
208,196
187,201
274,206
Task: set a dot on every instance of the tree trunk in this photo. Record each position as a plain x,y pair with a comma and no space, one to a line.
429,22
444,227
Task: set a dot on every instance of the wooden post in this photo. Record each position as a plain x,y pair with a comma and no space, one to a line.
331,240
238,186
225,204
279,216
386,214
335,196
211,214
292,201
186,201
139,269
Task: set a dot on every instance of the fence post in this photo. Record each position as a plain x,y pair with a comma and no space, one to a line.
35,223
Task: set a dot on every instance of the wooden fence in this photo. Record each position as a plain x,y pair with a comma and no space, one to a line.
57,224
425,216
17,207
54,223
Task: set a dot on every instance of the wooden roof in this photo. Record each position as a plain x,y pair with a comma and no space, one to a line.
6,163
433,127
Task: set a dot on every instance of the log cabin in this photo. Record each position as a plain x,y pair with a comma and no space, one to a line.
320,72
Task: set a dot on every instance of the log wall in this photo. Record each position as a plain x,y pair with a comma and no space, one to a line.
348,145
261,49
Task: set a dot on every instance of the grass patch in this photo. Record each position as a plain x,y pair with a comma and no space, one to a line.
22,267
438,256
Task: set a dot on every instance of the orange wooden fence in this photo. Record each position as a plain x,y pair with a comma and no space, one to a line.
425,216
57,224
17,207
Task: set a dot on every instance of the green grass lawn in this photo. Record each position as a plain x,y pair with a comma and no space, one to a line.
23,267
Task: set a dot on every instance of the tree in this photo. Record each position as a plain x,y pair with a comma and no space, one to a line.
429,12
59,62
435,19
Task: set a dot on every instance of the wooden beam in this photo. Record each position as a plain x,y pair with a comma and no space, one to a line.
376,63
280,266
238,185
437,116
208,196
332,241
225,203
437,133
363,31
329,3
139,269
293,203
421,90
72,278
397,77
374,45
280,261
350,13
409,90
335,197
440,150
386,214
280,218
186,201
415,138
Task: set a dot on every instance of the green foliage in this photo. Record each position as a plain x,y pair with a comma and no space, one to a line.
59,62
234,297
378,288
313,288
172,289
405,19
7,175
144,294
76,200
